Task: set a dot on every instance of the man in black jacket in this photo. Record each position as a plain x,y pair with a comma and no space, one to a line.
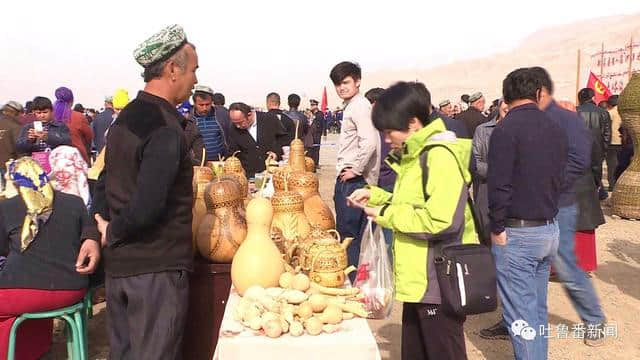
145,192
317,129
286,123
254,135
598,121
527,160
472,117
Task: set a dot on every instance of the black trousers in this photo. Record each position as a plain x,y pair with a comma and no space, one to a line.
430,334
146,315
612,164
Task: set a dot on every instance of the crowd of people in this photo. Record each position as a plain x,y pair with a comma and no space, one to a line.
117,186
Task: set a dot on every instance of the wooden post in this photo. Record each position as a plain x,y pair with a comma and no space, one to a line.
630,57
602,62
577,76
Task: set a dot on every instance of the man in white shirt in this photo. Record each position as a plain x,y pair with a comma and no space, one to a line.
358,162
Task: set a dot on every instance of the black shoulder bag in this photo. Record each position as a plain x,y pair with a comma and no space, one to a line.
467,272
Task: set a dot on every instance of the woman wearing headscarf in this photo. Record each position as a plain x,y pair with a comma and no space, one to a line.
49,243
69,172
81,134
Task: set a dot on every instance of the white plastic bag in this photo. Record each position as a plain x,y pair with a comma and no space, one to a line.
375,274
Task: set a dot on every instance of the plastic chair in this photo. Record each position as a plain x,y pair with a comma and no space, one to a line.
76,316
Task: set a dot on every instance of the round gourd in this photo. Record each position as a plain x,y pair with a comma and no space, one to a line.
313,326
305,310
318,302
273,329
300,282
285,280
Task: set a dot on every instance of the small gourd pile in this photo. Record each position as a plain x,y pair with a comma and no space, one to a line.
296,306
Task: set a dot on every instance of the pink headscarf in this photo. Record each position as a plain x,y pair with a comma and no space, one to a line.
69,172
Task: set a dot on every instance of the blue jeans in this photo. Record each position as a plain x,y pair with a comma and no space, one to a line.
523,266
575,281
350,222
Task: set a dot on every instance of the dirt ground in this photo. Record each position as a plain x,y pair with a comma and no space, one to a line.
615,280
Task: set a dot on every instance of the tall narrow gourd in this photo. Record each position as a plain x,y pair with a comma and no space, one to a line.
257,261
201,177
296,153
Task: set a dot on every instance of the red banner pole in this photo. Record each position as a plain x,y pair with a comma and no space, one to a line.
602,61
630,57
577,76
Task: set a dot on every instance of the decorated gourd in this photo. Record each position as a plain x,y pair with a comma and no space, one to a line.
289,218
201,177
296,153
257,261
316,211
309,164
326,258
233,166
224,227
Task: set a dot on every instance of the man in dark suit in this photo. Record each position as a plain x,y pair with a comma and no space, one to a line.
287,124
254,135
317,129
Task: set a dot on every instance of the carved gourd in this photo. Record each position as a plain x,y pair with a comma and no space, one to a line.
224,228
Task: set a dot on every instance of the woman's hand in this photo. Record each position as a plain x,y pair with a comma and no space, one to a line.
359,198
372,213
89,254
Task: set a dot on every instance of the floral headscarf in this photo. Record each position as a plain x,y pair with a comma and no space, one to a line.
69,172
36,192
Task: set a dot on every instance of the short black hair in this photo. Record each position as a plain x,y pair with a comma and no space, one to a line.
273,97
373,94
78,108
293,100
240,106
542,75
585,95
400,103
520,84
202,95
465,98
179,57
218,99
42,103
343,70
613,100
28,107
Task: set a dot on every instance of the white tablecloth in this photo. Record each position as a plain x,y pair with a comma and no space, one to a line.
354,341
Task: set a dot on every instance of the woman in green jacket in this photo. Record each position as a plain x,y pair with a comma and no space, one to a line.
428,207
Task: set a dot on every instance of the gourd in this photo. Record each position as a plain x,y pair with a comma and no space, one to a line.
258,260
289,219
318,302
233,167
313,326
273,328
301,282
317,212
223,228
296,328
201,177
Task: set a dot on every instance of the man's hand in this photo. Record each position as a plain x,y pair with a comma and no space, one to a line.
359,198
31,134
89,254
347,174
500,239
42,135
102,227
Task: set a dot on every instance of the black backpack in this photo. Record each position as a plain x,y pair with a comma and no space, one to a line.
466,273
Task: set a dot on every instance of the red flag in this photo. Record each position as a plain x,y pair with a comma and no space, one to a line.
323,105
601,90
